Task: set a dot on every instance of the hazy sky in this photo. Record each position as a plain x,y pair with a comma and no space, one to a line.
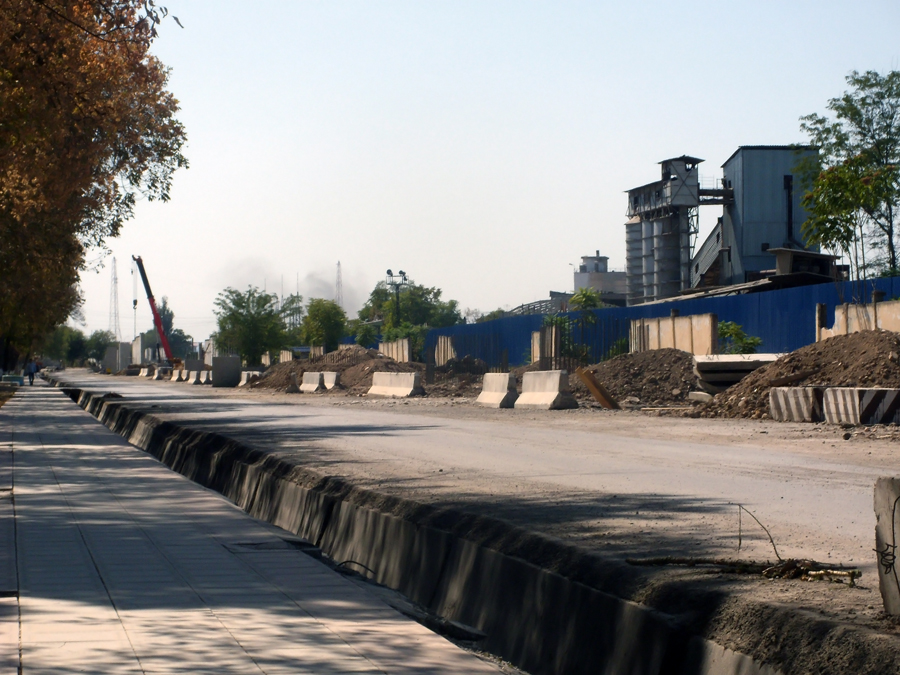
480,146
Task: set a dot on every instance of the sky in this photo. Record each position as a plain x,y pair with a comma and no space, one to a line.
481,146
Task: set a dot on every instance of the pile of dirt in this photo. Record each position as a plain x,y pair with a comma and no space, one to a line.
451,385
865,359
355,364
659,377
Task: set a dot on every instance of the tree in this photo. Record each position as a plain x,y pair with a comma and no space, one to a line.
498,313
86,127
180,343
854,194
249,323
365,335
733,339
324,323
419,306
586,298
98,343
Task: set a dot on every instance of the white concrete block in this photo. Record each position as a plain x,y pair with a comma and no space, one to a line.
498,390
293,387
194,377
396,385
331,380
226,371
796,404
177,376
312,383
546,390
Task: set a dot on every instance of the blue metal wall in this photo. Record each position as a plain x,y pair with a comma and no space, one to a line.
784,320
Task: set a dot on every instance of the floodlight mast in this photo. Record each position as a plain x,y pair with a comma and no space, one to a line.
157,321
396,281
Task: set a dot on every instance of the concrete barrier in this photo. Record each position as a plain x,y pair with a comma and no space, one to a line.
188,374
226,371
396,385
145,372
855,405
177,376
539,620
245,377
796,404
546,390
293,387
312,383
887,524
498,390
331,380
194,377
160,374
206,377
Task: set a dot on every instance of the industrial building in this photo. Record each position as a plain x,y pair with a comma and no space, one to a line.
594,273
757,236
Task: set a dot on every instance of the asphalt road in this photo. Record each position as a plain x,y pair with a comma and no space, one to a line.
628,484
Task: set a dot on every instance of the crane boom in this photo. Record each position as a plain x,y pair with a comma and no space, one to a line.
157,321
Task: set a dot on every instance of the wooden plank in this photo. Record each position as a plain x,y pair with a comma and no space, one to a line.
597,390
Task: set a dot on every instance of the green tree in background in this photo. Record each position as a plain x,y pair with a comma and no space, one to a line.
249,323
733,339
179,342
419,306
97,344
586,298
292,311
324,323
365,334
854,196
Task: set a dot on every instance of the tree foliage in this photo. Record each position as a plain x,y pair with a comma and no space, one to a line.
249,323
586,298
97,344
86,127
180,343
854,196
324,323
733,339
419,306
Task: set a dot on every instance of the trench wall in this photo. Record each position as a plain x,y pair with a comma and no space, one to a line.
543,622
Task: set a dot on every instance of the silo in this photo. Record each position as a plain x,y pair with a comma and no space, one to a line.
666,257
634,269
648,268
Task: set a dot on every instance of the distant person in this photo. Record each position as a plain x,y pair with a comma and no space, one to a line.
30,370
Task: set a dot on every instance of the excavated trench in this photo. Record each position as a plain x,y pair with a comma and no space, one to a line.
478,571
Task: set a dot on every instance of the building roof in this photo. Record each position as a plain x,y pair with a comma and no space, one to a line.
684,158
797,146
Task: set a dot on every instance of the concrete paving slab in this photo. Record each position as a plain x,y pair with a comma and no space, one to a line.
126,567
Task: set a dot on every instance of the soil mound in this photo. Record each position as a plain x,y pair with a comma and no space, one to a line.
658,377
866,359
355,364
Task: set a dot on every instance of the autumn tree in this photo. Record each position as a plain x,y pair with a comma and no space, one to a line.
86,128
854,198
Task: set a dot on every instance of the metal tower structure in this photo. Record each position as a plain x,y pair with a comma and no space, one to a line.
339,287
114,304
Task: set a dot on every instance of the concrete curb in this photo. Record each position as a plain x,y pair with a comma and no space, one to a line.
540,620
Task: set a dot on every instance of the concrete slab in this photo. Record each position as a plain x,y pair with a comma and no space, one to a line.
546,390
498,390
396,385
128,567
226,371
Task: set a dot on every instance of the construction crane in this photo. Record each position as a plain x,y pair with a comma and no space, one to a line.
157,321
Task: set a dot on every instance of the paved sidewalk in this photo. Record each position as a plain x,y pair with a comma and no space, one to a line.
123,566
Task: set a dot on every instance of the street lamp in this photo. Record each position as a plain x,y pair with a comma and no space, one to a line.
396,281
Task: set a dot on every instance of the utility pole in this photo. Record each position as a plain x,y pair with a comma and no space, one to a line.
339,287
114,304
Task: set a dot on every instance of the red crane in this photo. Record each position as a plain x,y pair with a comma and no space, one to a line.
157,321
